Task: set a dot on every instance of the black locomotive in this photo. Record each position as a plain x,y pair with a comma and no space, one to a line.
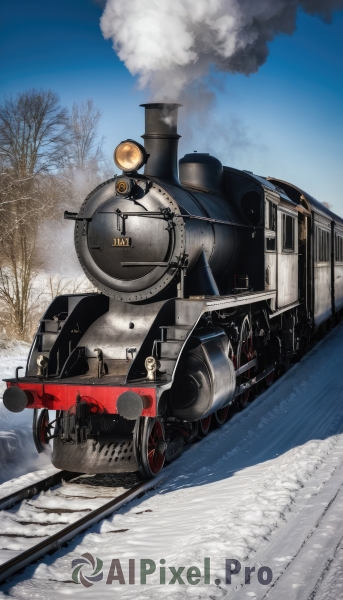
210,281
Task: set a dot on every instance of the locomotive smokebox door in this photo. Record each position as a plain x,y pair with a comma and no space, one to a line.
117,240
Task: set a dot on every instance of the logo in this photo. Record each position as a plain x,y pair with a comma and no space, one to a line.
125,241
138,571
88,560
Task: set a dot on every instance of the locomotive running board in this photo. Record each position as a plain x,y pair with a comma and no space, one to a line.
221,302
284,309
189,310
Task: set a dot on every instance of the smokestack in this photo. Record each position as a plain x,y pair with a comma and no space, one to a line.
161,141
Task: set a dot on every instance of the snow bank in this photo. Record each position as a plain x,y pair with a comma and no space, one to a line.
12,354
18,454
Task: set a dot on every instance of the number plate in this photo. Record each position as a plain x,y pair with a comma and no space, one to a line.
120,242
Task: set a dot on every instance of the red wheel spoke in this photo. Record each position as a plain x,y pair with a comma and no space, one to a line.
153,459
245,354
204,425
221,415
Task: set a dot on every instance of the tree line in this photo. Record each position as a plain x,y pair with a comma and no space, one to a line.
50,158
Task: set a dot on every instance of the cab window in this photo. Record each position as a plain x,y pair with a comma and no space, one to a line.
288,233
322,245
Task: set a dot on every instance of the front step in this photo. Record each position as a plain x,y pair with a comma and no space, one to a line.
172,340
170,348
175,332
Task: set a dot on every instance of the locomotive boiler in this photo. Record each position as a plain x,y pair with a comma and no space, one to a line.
134,235
210,281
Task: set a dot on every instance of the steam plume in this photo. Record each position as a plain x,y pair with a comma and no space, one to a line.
169,44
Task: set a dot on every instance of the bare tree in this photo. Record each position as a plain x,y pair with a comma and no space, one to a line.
33,137
23,203
33,132
18,298
85,165
47,164
57,286
85,146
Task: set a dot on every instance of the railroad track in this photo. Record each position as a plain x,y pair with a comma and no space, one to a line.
101,496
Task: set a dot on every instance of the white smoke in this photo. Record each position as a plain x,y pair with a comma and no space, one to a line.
168,44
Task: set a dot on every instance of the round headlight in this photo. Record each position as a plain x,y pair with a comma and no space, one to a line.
129,156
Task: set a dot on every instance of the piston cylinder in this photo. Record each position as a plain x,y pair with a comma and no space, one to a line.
205,378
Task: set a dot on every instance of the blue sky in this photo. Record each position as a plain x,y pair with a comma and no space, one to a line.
285,121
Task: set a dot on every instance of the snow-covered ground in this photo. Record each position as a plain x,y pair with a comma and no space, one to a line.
18,454
264,491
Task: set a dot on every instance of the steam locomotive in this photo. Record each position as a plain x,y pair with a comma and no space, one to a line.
210,281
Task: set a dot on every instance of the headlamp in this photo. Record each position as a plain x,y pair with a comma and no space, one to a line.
129,156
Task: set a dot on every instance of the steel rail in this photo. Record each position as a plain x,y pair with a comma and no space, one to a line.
54,542
35,488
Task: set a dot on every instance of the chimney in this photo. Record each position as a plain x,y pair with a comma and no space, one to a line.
161,141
